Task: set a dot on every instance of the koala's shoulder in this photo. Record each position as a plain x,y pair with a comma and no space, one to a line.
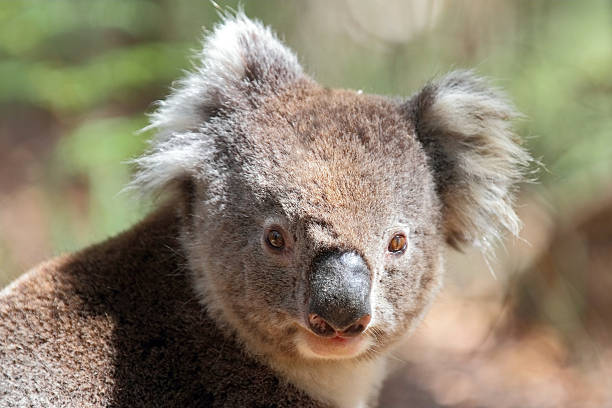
119,323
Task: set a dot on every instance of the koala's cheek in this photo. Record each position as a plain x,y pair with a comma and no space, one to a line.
401,299
273,289
383,314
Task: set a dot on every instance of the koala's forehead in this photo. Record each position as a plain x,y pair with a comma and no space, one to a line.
333,150
332,121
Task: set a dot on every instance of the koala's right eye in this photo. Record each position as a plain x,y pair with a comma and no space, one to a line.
397,244
275,239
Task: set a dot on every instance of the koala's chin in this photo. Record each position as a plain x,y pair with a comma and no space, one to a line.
312,346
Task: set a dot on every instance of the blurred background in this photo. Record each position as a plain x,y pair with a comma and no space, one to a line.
533,328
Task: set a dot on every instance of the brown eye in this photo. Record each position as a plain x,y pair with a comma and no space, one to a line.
397,243
275,239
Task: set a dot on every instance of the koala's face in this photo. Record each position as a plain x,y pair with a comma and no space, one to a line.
325,240
315,219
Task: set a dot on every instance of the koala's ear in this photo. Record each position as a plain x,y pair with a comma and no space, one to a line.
241,61
464,126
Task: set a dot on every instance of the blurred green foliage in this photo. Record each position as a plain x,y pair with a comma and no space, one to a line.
95,67
94,152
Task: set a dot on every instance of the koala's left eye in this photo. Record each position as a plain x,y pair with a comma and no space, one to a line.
275,239
398,243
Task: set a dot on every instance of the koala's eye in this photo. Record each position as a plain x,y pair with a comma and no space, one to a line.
275,239
397,243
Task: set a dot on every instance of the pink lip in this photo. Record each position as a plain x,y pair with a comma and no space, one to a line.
339,339
334,347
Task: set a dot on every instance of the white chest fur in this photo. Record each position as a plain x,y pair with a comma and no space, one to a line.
342,383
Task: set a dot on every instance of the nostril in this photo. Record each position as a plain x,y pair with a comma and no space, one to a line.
320,326
357,328
353,330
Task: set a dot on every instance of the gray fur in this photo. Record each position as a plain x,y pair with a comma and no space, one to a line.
465,127
250,143
240,61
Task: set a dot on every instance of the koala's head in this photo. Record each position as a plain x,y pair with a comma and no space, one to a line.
315,219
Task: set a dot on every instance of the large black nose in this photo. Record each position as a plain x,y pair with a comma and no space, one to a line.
339,302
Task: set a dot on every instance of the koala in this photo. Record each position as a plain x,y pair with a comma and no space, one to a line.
300,238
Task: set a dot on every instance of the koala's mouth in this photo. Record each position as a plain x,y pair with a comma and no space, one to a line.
338,347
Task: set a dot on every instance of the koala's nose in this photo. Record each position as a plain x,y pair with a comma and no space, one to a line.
339,302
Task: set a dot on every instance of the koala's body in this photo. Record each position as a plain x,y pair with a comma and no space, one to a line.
301,241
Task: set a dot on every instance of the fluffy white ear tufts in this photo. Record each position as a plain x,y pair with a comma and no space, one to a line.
240,62
464,126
